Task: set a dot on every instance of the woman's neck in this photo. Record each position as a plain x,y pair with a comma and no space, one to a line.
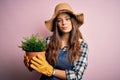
64,39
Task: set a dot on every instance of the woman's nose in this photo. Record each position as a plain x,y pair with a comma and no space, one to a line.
63,21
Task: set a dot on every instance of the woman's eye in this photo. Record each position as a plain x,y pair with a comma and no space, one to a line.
59,20
67,18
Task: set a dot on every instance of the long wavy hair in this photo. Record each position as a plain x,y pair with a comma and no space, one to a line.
55,44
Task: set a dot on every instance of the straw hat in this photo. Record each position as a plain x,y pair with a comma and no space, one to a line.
64,7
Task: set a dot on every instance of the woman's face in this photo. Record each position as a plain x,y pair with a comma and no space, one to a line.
64,23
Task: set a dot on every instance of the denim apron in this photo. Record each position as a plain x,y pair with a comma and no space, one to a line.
62,64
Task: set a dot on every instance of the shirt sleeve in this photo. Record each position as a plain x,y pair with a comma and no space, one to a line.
79,65
47,40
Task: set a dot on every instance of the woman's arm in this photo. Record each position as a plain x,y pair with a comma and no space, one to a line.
60,74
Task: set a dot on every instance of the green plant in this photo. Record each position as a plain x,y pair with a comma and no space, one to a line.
34,43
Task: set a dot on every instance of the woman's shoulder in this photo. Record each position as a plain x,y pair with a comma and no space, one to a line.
83,43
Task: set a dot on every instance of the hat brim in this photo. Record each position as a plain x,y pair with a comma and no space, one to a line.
79,17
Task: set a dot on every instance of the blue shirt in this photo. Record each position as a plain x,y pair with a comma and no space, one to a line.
75,70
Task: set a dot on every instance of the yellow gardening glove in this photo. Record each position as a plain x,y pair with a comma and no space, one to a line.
27,62
40,64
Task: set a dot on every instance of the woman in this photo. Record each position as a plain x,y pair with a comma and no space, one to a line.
66,52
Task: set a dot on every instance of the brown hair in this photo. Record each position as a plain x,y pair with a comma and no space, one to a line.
54,45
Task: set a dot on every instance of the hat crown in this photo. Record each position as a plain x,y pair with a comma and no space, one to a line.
63,6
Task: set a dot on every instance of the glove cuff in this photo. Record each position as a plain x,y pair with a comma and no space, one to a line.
50,71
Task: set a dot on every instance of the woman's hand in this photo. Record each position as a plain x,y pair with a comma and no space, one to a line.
27,62
40,64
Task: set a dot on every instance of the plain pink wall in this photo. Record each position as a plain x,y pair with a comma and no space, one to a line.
101,30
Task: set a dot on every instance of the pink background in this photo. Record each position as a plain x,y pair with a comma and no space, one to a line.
101,30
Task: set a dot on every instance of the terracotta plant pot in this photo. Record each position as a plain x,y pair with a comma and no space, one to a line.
34,54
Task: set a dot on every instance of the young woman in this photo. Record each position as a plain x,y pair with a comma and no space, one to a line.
66,52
